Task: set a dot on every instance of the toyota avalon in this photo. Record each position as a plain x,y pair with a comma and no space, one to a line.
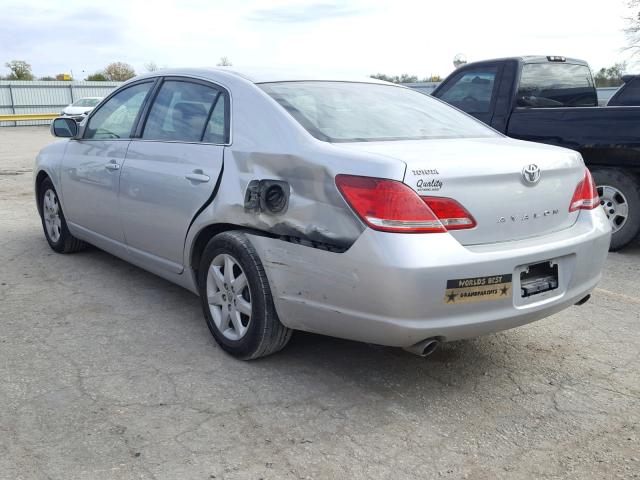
346,207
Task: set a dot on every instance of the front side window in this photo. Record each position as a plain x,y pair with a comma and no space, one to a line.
556,85
472,91
364,112
116,117
184,111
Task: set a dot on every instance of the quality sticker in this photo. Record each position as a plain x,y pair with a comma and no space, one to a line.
478,289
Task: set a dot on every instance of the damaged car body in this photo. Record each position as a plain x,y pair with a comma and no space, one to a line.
356,209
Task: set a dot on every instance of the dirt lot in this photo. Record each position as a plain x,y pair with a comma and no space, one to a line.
108,372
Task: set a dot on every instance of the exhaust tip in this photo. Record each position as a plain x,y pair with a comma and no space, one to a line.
584,300
424,348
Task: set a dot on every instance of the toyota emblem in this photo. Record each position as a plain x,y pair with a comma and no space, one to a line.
531,174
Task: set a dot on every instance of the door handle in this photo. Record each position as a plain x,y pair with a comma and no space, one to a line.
197,176
112,166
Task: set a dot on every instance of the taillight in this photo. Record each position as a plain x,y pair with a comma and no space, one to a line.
586,195
450,213
391,206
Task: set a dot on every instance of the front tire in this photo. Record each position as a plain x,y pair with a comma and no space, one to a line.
236,298
620,197
54,224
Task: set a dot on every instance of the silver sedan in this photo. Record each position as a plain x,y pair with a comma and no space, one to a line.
352,208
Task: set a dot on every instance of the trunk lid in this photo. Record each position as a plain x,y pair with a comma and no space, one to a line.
486,176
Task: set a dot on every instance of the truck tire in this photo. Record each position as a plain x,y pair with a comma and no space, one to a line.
619,192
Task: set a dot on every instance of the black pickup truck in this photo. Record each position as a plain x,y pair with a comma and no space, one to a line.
628,94
553,100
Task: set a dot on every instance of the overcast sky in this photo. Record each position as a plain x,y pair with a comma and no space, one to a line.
352,36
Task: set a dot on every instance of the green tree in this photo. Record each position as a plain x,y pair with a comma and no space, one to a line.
20,70
405,78
610,77
97,77
47,78
382,76
119,71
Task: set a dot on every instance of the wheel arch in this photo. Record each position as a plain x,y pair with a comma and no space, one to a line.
625,159
203,237
39,178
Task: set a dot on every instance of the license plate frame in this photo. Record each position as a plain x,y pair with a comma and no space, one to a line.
538,278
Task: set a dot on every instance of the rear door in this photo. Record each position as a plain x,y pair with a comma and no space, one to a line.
171,171
92,165
473,91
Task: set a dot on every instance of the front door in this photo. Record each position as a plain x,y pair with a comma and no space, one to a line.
92,165
171,171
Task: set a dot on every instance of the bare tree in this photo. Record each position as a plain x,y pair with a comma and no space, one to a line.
224,62
151,66
119,71
20,70
633,30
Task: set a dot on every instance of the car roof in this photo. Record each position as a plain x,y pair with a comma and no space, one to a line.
533,59
266,75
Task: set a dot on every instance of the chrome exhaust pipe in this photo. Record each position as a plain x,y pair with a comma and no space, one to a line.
423,348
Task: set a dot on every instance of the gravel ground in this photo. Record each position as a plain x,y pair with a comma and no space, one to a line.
108,372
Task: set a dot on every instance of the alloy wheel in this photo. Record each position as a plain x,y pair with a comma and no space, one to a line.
51,214
228,297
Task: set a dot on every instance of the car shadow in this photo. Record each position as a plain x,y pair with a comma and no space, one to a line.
371,367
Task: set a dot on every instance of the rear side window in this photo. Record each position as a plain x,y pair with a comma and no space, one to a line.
116,117
472,91
184,111
217,125
556,85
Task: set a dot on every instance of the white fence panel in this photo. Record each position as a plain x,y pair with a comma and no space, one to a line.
45,97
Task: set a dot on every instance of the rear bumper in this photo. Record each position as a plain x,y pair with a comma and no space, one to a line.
389,289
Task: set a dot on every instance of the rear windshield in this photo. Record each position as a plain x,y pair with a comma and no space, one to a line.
86,102
364,112
556,85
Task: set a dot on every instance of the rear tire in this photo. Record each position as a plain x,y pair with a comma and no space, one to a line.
236,298
54,224
619,192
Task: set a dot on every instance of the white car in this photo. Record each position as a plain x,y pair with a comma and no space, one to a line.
358,209
81,107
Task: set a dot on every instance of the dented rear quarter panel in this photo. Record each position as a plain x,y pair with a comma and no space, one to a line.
267,143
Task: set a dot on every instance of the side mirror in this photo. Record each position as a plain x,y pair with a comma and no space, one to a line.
64,127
